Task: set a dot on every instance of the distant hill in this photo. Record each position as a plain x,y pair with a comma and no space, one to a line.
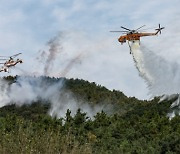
127,125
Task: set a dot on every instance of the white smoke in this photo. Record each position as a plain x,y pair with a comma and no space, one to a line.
161,76
27,90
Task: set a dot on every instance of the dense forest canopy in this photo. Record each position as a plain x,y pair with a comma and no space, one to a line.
124,125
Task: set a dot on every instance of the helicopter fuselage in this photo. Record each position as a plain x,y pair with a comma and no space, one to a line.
12,62
9,62
134,36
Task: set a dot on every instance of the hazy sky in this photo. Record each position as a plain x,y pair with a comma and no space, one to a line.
89,51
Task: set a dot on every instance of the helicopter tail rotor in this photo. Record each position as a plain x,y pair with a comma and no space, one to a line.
159,29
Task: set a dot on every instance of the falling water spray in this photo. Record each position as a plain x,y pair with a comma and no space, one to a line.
161,76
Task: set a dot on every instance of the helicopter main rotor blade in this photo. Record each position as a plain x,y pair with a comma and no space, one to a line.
126,28
15,55
119,31
11,56
3,59
5,56
140,27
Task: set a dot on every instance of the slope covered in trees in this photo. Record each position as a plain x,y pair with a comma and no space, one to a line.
131,126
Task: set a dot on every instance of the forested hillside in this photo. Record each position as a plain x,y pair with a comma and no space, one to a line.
128,125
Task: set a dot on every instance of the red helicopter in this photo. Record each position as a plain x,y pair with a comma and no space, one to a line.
9,62
133,35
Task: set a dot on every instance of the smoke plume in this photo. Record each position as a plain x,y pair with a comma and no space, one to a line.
59,58
55,48
70,65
